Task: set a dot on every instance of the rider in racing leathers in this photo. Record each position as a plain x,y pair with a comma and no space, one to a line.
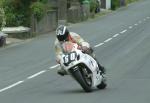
64,35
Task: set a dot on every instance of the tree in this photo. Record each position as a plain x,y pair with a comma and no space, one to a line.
2,18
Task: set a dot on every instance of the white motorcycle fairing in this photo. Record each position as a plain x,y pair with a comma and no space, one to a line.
76,57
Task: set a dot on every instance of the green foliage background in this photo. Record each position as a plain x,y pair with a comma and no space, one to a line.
116,3
93,4
18,12
2,16
130,1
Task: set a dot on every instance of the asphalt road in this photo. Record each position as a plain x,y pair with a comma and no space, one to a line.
122,44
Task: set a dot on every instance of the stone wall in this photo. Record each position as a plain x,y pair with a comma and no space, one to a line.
74,13
78,12
64,11
47,24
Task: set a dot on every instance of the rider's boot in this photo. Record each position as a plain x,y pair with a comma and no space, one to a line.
61,72
103,72
102,69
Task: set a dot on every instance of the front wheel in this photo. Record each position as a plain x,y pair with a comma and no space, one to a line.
80,79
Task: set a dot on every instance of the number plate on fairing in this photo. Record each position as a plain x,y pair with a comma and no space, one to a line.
68,58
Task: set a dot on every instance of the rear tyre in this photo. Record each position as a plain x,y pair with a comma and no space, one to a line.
80,79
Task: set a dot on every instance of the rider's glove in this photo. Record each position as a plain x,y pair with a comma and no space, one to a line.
87,50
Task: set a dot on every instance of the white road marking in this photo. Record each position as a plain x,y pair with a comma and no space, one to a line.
148,17
123,31
32,76
140,22
135,24
98,45
52,67
108,40
130,27
115,35
13,85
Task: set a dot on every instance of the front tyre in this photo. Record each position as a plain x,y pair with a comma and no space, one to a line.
80,79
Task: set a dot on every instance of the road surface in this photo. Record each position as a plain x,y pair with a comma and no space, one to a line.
121,41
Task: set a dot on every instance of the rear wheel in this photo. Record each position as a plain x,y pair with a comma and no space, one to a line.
85,83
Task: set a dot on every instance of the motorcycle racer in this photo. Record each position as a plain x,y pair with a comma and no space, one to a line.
63,35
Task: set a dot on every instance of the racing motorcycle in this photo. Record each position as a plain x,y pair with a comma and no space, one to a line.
82,67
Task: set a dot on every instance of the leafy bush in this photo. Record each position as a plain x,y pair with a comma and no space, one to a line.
2,17
38,8
93,5
130,1
115,4
16,12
